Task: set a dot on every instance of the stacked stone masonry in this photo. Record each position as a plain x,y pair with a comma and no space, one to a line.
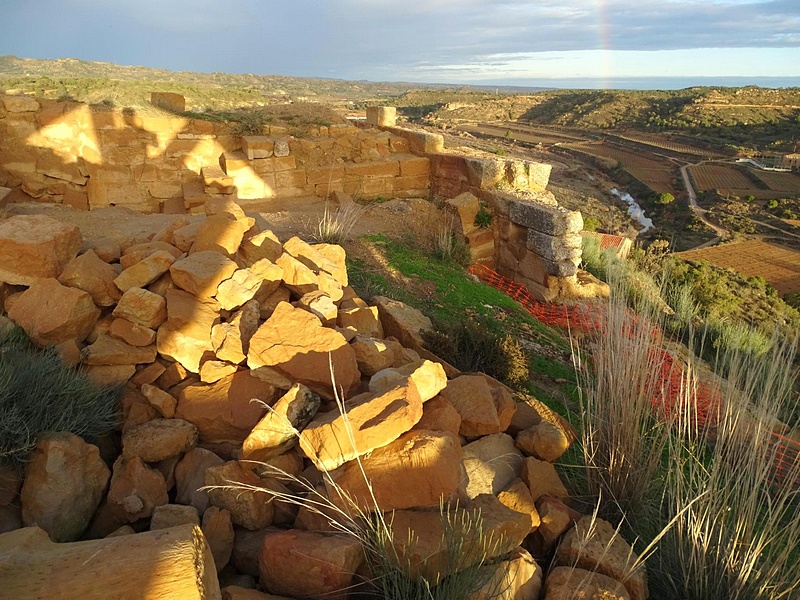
88,157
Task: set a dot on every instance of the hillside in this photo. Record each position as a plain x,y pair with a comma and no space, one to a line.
751,117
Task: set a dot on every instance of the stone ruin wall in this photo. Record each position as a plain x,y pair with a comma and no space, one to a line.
90,157
532,241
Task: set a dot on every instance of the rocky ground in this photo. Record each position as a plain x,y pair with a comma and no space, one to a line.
206,314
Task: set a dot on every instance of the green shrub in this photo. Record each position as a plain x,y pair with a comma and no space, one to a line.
470,346
448,245
665,198
591,224
484,218
772,204
792,299
39,393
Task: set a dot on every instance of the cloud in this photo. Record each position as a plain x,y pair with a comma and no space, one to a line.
389,39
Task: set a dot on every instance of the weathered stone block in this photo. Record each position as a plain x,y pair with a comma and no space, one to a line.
168,101
257,146
552,220
385,116
555,248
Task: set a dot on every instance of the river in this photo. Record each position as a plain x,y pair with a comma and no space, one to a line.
635,211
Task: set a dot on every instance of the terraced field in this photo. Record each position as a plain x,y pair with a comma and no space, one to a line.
779,266
666,144
779,182
719,177
659,176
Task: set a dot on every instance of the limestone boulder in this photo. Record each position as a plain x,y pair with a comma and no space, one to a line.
303,564
107,350
159,439
566,583
172,515
260,246
517,578
218,530
212,371
222,233
131,333
89,273
517,496
372,355
186,335
292,346
542,479
36,247
201,273
595,545
185,349
135,490
228,410
141,307
429,378
263,276
545,441
138,252
320,304
316,260
362,320
241,493
190,478
145,272
372,421
419,469
183,237
336,261
472,397
555,519
492,463
402,321
51,313
278,431
65,479
162,401
427,553
439,415
231,340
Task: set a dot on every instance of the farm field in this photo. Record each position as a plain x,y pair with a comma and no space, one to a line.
779,266
666,144
531,137
659,176
719,177
779,182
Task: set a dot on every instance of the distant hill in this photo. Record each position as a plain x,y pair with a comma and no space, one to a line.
748,116
92,82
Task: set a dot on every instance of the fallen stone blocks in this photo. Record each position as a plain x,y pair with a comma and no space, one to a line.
269,404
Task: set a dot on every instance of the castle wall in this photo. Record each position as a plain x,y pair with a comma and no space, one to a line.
92,157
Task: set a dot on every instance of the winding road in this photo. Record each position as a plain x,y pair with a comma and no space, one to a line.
699,212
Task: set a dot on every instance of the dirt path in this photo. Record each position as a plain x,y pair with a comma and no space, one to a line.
699,212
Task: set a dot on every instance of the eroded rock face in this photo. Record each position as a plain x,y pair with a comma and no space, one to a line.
36,247
51,313
303,563
64,483
292,346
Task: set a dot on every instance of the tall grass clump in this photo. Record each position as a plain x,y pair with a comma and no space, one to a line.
39,393
448,245
733,487
336,225
621,374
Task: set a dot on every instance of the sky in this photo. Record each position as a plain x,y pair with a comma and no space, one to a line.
602,43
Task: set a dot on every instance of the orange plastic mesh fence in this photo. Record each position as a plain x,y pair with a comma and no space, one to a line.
666,400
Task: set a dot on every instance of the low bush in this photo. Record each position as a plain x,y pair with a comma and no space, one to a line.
336,225
39,393
469,346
